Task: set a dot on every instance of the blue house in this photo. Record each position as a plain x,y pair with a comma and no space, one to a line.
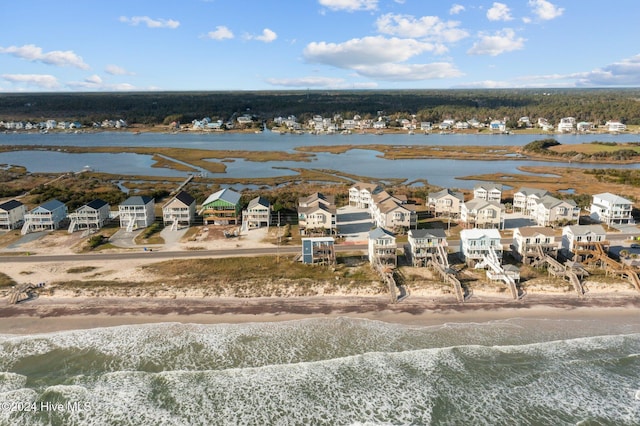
47,216
318,250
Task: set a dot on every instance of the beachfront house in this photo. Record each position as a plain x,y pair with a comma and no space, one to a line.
137,212
479,213
12,214
382,247
611,209
221,208
424,243
475,244
257,213
581,240
531,242
318,250
551,211
445,203
49,215
361,193
179,210
317,214
488,192
526,199
93,215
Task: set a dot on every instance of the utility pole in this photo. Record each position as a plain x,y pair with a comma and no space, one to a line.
278,246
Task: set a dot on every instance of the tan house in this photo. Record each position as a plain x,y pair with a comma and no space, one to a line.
550,211
530,241
317,214
394,216
488,192
180,210
479,213
445,203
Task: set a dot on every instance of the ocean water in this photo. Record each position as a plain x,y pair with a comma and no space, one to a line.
336,371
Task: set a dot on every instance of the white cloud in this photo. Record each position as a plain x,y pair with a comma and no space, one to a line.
545,10
96,83
43,81
364,51
409,72
623,73
150,23
221,33
499,12
526,20
496,44
116,70
267,36
349,5
306,82
34,53
456,8
430,28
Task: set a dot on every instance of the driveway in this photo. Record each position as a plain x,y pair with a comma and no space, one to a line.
354,224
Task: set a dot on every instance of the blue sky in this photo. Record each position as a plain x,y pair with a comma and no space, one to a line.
118,45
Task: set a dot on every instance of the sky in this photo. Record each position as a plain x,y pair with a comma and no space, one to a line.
200,45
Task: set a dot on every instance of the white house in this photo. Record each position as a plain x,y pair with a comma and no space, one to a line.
528,240
92,215
567,124
180,210
12,214
615,126
576,237
361,193
526,199
137,212
475,244
488,192
382,247
498,126
550,211
445,203
611,209
257,214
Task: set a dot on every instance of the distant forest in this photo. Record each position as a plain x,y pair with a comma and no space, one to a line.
151,108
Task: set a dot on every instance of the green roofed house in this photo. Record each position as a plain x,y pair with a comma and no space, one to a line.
221,208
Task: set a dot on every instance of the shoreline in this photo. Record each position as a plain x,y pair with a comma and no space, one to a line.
88,313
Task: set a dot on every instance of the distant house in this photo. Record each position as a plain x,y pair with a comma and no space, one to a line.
567,125
137,212
93,215
424,244
551,211
49,215
445,203
478,213
488,192
526,199
530,241
12,214
475,244
179,210
257,214
221,208
317,213
579,239
360,194
611,209
584,126
382,247
318,250
498,126
615,126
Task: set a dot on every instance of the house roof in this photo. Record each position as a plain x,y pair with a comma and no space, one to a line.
445,192
318,196
612,198
137,200
550,202
585,229
426,233
315,206
51,205
10,205
488,186
477,233
363,185
185,198
479,203
530,231
259,201
228,195
532,191
380,233
97,204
